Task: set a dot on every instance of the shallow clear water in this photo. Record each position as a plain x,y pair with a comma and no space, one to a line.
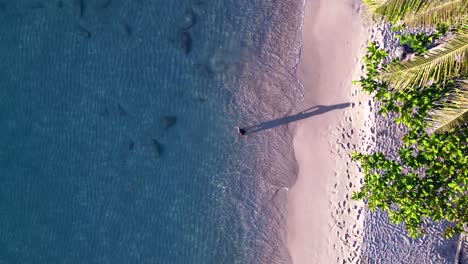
84,89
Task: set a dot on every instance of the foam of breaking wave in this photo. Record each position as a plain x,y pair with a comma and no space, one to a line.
268,89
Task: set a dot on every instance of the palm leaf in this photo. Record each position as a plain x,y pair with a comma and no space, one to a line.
437,12
452,111
393,10
443,62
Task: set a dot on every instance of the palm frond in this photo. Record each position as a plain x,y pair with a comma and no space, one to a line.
393,10
436,12
443,62
452,111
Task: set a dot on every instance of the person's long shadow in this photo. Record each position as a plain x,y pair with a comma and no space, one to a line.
319,109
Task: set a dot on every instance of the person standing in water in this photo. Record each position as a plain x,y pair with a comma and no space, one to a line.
241,131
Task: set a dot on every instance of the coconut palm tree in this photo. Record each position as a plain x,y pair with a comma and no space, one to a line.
433,13
447,61
444,62
452,111
420,13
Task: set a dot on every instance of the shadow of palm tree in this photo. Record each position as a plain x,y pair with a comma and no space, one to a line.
315,110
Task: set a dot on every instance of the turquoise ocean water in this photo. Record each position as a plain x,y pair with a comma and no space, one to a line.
117,139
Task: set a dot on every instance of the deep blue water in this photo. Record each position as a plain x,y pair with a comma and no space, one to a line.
90,172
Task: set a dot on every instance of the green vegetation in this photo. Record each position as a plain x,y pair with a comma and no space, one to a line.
428,95
419,42
421,13
442,63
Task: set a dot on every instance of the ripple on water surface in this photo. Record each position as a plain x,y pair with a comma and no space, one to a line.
117,130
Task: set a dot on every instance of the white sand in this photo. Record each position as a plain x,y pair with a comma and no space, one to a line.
323,224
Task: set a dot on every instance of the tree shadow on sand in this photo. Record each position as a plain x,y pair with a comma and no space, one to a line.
315,110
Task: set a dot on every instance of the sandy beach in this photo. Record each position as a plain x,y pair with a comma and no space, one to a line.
324,225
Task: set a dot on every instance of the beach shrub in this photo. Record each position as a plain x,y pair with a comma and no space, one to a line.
429,180
373,61
429,177
419,42
441,64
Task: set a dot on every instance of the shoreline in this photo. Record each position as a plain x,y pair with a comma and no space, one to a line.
334,40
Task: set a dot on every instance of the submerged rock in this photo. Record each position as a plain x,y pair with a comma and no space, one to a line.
106,4
128,29
200,99
185,41
197,6
131,145
204,70
218,63
189,19
83,31
81,8
169,121
157,148
37,5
